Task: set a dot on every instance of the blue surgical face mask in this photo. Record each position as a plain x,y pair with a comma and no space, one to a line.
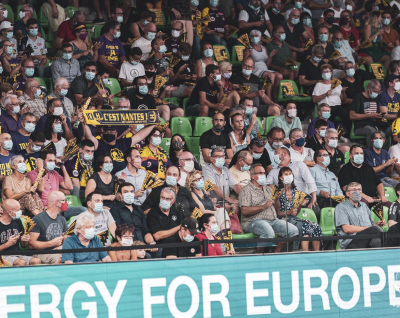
373,95
254,8
332,143
327,76
67,56
277,160
133,62
255,39
295,21
29,72
217,77
350,72
246,72
63,92
33,32
120,19
322,133
323,37
128,197
89,233
326,161
189,238
214,228
162,49
194,3
256,156
326,115
208,52
36,148
8,144
22,167
98,207
337,45
185,58
57,128
1,70
10,50
276,10
248,111
316,59
151,35
117,35
29,127
300,142
50,166
307,22
298,5
219,162
90,76
139,127
108,167
245,168
9,35
378,143
358,159
18,214
143,90
165,205
105,81
283,37
87,157
199,184
262,179
213,3
171,181
386,21
38,92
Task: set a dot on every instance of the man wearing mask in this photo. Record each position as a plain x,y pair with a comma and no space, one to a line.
140,99
65,30
144,43
324,112
20,138
289,120
274,13
65,66
276,137
186,165
132,69
47,234
240,171
297,150
32,151
358,171
173,42
258,152
118,15
79,167
294,31
7,32
353,217
389,101
10,120
184,199
11,228
328,19
134,175
33,103
61,87
111,53
317,140
187,231
160,59
336,157
322,39
6,145
10,61
325,180
27,70
309,72
20,26
254,17
299,5
346,52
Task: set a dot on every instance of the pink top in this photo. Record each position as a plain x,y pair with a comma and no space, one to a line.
52,182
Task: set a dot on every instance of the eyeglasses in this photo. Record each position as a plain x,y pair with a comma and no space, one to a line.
198,179
278,139
259,173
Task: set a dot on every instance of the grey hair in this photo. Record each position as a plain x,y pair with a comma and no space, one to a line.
14,158
254,166
285,149
217,149
318,49
330,131
29,7
380,133
236,109
123,99
224,66
81,220
7,100
60,81
293,131
30,82
353,184
255,32
169,190
243,154
373,83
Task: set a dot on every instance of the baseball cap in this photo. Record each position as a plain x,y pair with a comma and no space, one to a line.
389,78
6,25
108,128
191,224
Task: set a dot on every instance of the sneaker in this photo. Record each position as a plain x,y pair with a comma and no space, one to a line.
98,21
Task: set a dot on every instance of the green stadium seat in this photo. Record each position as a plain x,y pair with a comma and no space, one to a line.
42,19
268,122
166,27
353,135
226,50
385,216
113,85
70,11
165,144
307,214
49,45
184,103
366,84
346,157
243,235
50,36
234,58
390,194
193,144
41,81
17,18
299,99
181,125
97,30
259,120
73,200
10,14
327,222
202,124
338,248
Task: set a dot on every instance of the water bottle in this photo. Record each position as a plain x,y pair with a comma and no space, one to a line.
180,123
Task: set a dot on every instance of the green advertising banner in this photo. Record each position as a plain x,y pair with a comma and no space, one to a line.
331,284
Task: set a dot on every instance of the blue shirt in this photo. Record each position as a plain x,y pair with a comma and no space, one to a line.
73,242
311,127
20,142
392,105
325,180
5,169
374,160
40,124
20,26
30,159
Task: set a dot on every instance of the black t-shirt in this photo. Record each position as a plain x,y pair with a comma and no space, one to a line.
311,73
181,251
161,64
146,103
364,105
314,144
365,175
394,212
275,19
159,221
293,38
6,231
358,85
254,83
80,86
189,70
337,161
209,140
203,85
116,151
394,229
328,49
264,159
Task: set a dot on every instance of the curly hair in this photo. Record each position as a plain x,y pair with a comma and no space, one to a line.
189,179
122,229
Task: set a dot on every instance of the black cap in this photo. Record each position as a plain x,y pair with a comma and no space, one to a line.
107,128
191,224
389,78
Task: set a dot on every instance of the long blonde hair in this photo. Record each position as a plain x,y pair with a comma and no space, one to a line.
373,19
189,179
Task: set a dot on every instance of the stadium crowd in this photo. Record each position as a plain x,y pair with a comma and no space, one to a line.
274,117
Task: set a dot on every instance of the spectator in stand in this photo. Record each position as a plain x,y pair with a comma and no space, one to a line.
21,137
205,60
394,215
348,29
33,103
6,145
299,5
55,13
295,32
389,100
138,28
358,171
239,137
7,33
322,39
81,51
274,13
5,90
32,151
275,137
180,11
11,228
111,53
10,120
347,54
330,144
325,180
173,42
132,69
324,112
11,65
117,14
66,66
144,43
394,152
298,152
124,237
328,20
390,37
186,165
50,225
309,72
289,120
258,152
20,26
240,170
160,59
84,237
215,31
177,148
305,20
27,68
365,113
258,212
249,116
66,32
52,132
379,159
253,16
317,140
353,217
61,87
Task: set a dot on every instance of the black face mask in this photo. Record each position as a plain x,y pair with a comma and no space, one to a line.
330,20
108,137
149,73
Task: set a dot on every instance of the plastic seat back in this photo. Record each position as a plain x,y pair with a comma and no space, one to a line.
202,124
268,122
73,200
327,222
181,125
165,144
113,85
307,214
390,194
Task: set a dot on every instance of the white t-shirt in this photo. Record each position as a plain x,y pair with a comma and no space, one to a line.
129,71
244,16
307,155
145,46
395,54
394,152
331,100
60,146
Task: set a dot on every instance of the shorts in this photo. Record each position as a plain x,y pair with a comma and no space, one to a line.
171,106
262,111
194,111
48,258
179,91
13,258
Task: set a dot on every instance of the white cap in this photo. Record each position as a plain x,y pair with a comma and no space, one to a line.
6,25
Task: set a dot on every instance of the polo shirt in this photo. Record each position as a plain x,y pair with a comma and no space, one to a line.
136,217
306,155
337,161
264,160
374,160
280,121
314,144
364,175
65,31
8,123
293,38
325,180
80,86
190,251
137,182
311,73
253,81
62,68
161,64
159,221
183,198
225,180
73,242
282,52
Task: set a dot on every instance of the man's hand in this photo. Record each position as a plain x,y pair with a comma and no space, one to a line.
384,199
177,13
375,116
55,12
33,189
57,241
110,197
183,67
39,163
13,240
313,203
63,119
324,194
153,249
260,23
381,223
268,204
139,193
25,238
368,199
261,93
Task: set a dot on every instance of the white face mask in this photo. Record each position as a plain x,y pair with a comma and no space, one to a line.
126,242
288,179
189,166
292,113
57,111
175,33
397,86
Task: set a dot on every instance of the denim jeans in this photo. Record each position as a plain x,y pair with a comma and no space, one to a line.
268,229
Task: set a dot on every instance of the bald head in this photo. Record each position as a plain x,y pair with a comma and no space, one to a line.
151,27
295,13
186,155
10,206
55,196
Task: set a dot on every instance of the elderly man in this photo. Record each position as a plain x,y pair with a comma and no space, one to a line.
173,42
65,66
10,120
27,68
365,113
302,176
84,237
20,138
289,120
240,170
346,52
297,150
64,32
186,165
184,199
6,145
353,217
325,180
258,212
335,153
276,137
164,220
221,178
30,97
258,152
380,160
144,43
20,27
11,228
358,171
61,87
50,226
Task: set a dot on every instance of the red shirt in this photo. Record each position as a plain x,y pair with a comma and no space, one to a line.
212,250
65,31
352,36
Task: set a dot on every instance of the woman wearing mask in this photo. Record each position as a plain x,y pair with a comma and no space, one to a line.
259,54
354,81
209,227
206,58
81,49
137,28
347,27
284,204
18,187
102,180
240,139
178,145
225,68
52,132
154,158
124,237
